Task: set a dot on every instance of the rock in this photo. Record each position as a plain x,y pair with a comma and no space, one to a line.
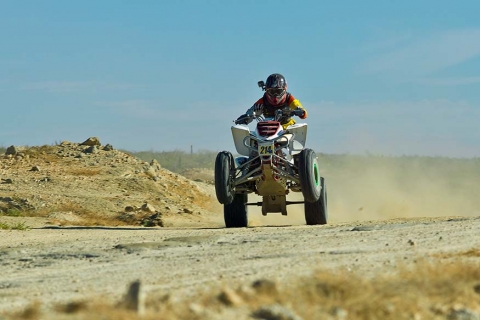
264,286
476,288
196,308
129,209
92,141
463,314
134,299
108,147
91,149
11,150
339,313
148,207
230,298
74,306
35,168
187,211
154,163
275,312
151,172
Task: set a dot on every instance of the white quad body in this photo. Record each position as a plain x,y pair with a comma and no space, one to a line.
270,173
296,135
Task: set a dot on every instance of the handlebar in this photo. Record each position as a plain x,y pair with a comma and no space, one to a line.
280,115
244,119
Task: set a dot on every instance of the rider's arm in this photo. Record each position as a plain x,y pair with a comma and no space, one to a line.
257,108
294,104
248,116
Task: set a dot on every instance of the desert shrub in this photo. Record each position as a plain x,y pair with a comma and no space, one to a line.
12,212
178,161
16,226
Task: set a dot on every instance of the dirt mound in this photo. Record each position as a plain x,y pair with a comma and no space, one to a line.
90,184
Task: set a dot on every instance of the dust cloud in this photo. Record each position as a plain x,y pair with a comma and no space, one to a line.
373,187
361,188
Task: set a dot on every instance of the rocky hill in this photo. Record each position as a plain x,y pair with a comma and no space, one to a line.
93,184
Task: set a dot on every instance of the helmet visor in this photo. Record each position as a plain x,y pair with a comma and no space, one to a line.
276,92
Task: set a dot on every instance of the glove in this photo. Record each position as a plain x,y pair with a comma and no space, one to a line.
243,119
299,112
257,108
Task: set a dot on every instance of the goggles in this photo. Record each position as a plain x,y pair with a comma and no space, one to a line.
276,92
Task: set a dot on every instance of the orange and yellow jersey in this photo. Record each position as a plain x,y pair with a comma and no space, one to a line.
263,107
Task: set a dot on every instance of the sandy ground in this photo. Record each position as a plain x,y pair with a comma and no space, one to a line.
54,265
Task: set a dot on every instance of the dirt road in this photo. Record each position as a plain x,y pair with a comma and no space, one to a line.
60,264
88,208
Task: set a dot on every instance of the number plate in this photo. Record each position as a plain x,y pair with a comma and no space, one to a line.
265,149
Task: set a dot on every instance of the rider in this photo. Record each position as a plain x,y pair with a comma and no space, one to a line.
275,97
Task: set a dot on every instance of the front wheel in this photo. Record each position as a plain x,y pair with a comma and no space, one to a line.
309,175
317,212
236,212
223,179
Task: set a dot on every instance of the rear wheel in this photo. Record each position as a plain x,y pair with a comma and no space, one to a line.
223,180
236,213
317,212
309,175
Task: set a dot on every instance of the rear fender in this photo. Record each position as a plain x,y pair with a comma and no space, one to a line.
300,135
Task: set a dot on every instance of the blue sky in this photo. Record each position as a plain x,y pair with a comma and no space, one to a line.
384,77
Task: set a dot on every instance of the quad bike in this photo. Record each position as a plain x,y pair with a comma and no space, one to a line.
272,162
